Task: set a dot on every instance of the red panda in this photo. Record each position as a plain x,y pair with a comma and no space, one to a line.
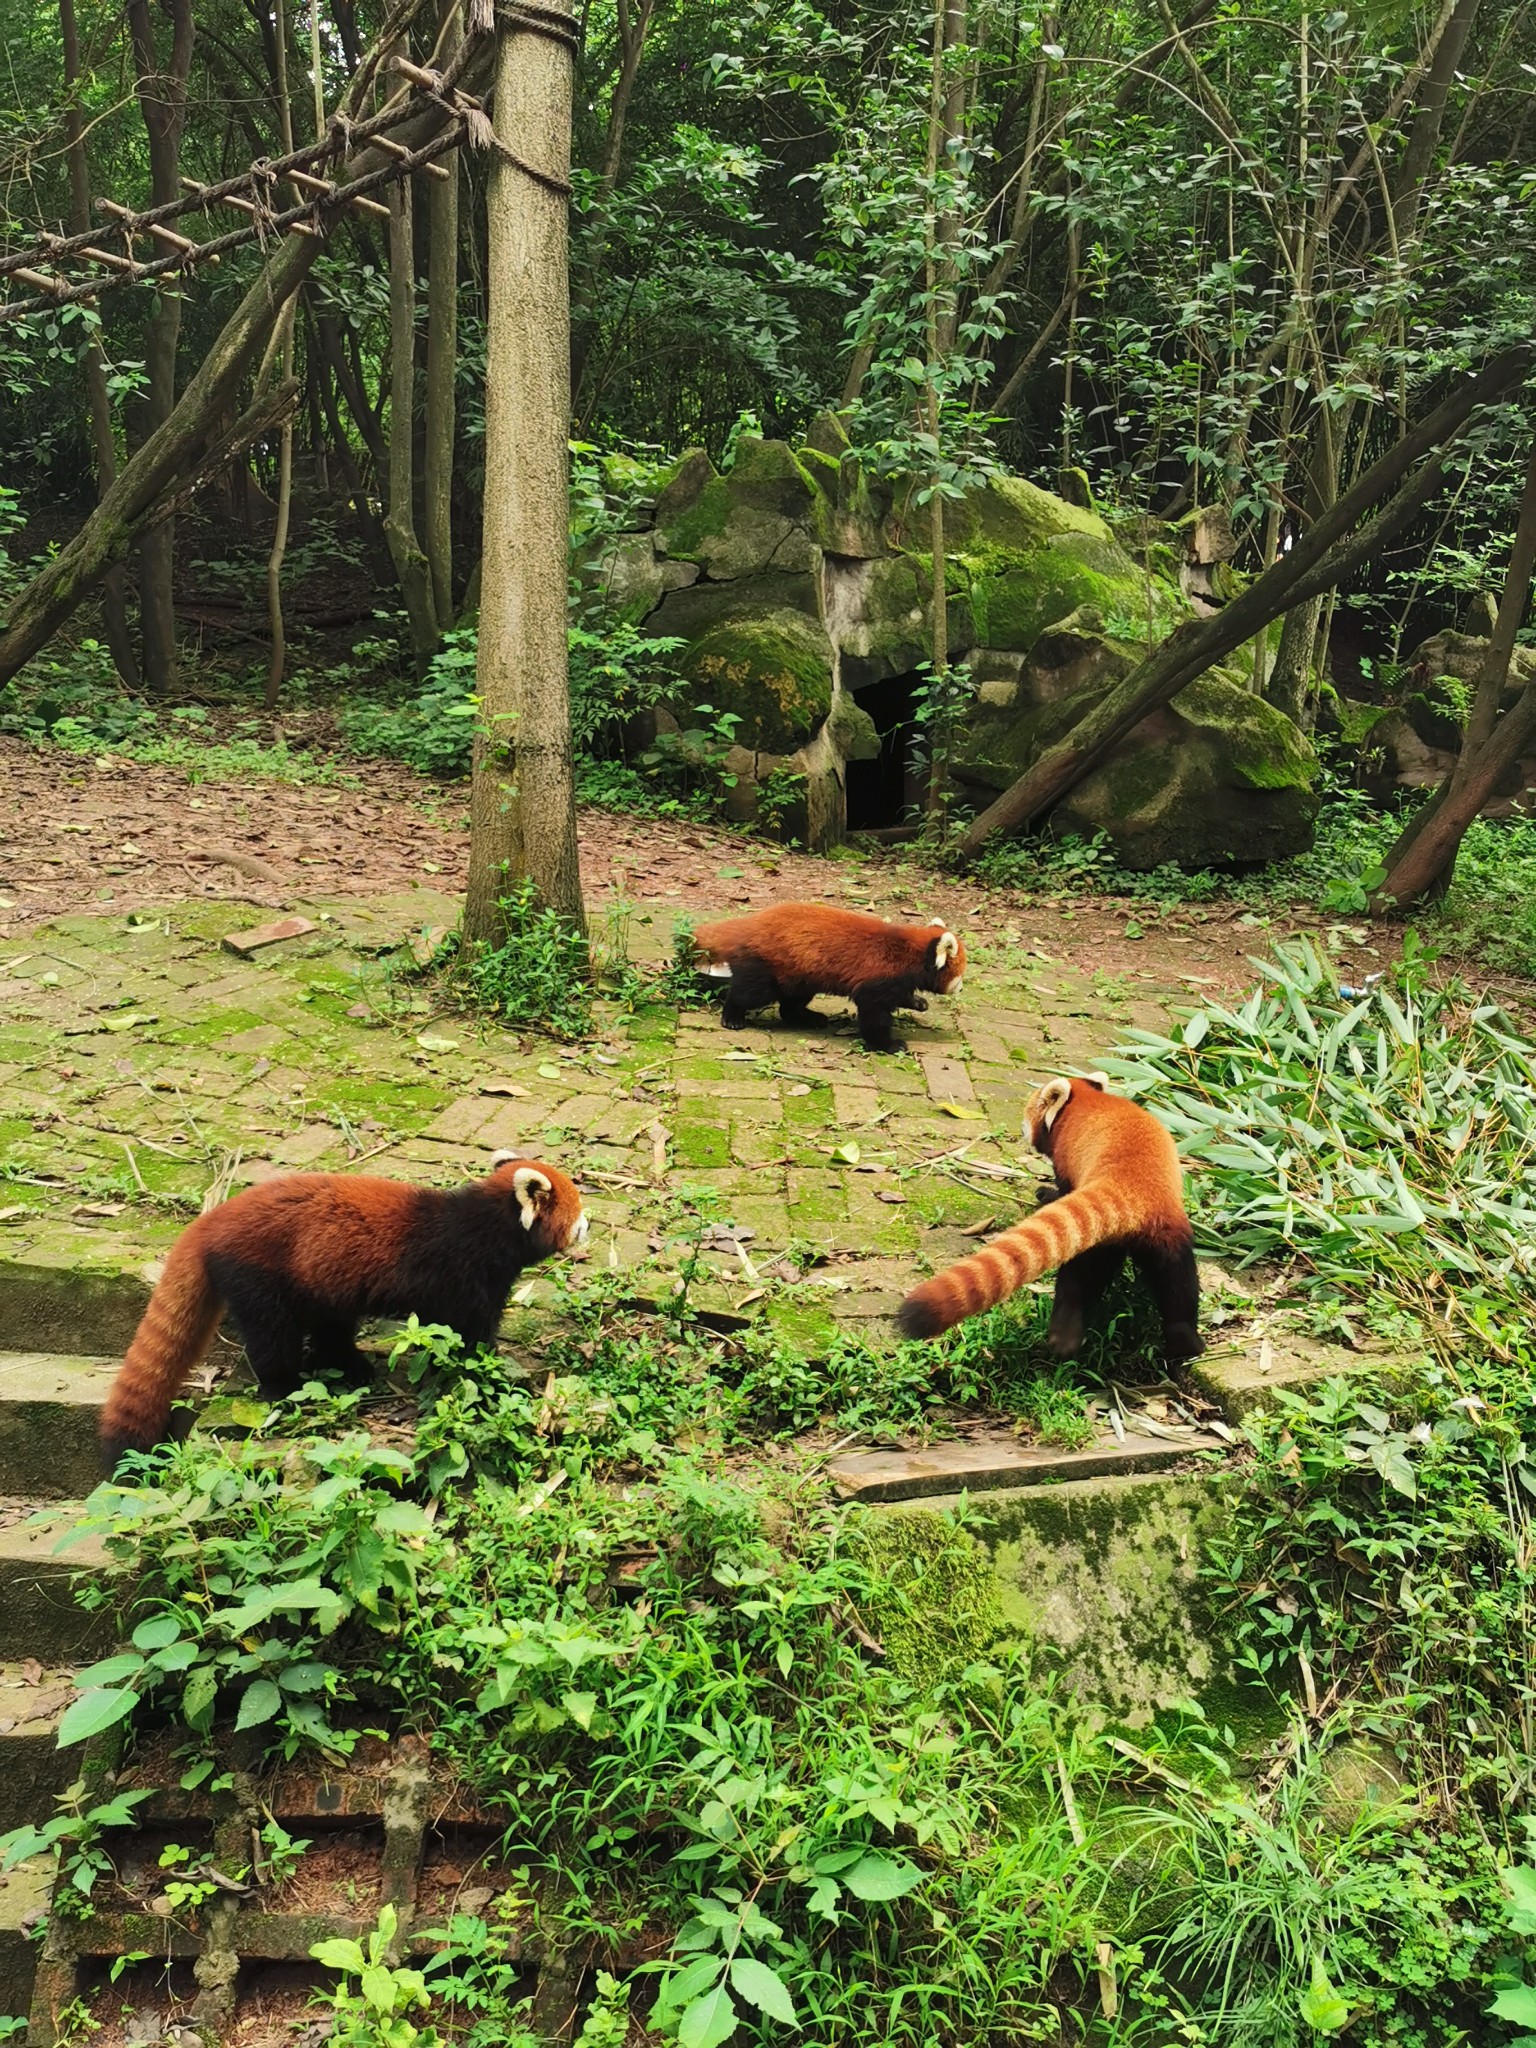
794,951
1120,1191
308,1255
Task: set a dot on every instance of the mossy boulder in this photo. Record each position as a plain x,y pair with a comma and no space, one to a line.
1217,776
687,614
757,516
774,671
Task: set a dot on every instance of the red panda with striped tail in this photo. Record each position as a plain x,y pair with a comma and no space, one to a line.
1120,1193
300,1260
794,951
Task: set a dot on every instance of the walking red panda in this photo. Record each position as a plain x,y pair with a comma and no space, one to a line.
308,1255
1120,1191
794,951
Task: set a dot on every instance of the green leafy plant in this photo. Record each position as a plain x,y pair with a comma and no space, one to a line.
371,2012
77,1835
538,975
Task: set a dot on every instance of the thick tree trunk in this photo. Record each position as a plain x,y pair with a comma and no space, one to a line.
400,519
163,101
1322,557
523,806
1424,858
442,353
114,595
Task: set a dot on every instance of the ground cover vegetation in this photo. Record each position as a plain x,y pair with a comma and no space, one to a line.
742,1768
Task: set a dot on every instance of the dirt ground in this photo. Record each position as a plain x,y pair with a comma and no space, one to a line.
107,835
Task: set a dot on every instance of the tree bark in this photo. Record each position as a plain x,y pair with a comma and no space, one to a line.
279,651
1424,131
159,466
1325,554
522,805
1424,858
400,519
114,596
162,95
442,353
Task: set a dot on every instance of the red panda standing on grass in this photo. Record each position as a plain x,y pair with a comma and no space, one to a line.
794,951
1120,1192
299,1261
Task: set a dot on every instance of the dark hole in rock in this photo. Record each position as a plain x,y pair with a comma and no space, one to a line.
887,790
274,2006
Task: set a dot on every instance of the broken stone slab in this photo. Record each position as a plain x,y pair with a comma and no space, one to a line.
988,1463
32,1767
246,943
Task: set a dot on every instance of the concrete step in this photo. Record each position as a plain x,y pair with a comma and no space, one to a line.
24,1895
50,1412
39,1616
1245,1371
994,1460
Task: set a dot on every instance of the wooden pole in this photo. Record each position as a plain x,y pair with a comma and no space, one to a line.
522,804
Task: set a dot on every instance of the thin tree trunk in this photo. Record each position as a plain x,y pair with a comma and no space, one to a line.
522,804
1289,688
634,26
1424,858
1328,552
162,97
951,129
1424,132
275,627
114,595
400,519
940,286
442,354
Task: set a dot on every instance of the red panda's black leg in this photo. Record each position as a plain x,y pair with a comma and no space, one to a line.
1080,1286
333,1348
877,1003
752,986
269,1329
1174,1279
795,1004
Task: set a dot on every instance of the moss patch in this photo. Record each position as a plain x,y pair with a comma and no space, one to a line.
775,673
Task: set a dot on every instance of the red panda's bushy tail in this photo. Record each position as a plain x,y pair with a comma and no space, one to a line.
172,1336
1073,1223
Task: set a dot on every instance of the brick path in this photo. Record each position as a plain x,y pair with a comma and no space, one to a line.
142,1059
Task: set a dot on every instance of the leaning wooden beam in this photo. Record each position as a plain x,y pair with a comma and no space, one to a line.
1327,552
163,463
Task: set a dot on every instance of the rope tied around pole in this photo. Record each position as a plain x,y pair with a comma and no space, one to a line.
538,20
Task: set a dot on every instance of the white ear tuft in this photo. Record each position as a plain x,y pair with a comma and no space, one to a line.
526,1182
1098,1080
938,921
946,949
503,1159
1054,1097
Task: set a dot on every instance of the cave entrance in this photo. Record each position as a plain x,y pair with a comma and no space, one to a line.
886,791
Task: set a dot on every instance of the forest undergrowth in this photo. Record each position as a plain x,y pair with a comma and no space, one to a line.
742,1771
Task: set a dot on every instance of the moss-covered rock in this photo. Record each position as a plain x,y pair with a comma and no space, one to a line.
1099,1578
1216,776
690,613
774,671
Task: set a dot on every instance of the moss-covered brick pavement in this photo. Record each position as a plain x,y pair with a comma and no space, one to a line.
141,1063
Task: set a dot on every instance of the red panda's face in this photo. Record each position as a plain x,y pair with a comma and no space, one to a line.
948,963
548,1202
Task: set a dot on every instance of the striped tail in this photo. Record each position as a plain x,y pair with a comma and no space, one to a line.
1073,1223
175,1331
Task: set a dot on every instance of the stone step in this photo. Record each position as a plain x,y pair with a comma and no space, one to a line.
39,1616
50,1411
32,1768
1244,1372
992,1461
24,1895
